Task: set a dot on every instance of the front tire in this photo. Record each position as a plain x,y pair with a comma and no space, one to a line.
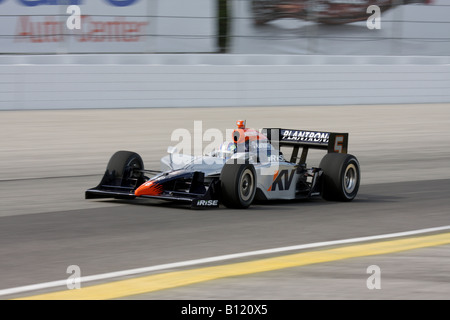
238,185
341,176
123,169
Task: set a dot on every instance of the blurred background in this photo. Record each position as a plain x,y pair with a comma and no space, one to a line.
204,53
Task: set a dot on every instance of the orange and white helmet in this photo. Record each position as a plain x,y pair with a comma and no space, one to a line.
240,124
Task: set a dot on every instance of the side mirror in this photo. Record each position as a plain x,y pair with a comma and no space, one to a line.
172,150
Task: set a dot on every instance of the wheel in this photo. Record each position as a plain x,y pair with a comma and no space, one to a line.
123,169
238,185
341,176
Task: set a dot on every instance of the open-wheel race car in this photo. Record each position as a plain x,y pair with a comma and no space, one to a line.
322,11
248,168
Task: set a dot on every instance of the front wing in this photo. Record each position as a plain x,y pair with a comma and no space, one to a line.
209,199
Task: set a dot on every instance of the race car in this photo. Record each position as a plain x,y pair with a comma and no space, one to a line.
250,167
322,11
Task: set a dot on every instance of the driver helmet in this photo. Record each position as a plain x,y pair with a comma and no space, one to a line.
227,149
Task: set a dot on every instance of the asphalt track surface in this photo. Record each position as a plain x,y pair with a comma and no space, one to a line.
49,158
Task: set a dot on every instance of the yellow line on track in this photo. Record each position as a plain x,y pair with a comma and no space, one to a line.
151,283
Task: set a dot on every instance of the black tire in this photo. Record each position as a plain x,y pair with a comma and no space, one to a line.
123,169
341,176
238,185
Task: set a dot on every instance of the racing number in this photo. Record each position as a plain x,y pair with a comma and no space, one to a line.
338,142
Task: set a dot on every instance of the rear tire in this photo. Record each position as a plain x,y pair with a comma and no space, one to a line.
238,185
341,176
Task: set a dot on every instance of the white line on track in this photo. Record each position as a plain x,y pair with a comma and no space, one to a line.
187,263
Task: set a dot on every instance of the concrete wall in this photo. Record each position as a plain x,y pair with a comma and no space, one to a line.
210,80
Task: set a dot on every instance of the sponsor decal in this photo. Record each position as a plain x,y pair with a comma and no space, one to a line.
275,158
305,136
207,203
282,180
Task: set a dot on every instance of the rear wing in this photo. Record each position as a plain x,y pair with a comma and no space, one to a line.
306,139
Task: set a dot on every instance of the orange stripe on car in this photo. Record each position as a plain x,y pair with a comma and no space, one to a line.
149,188
274,177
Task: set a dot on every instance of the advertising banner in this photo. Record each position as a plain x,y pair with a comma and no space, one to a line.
101,26
341,27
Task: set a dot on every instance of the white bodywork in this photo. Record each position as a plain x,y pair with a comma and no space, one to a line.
276,177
